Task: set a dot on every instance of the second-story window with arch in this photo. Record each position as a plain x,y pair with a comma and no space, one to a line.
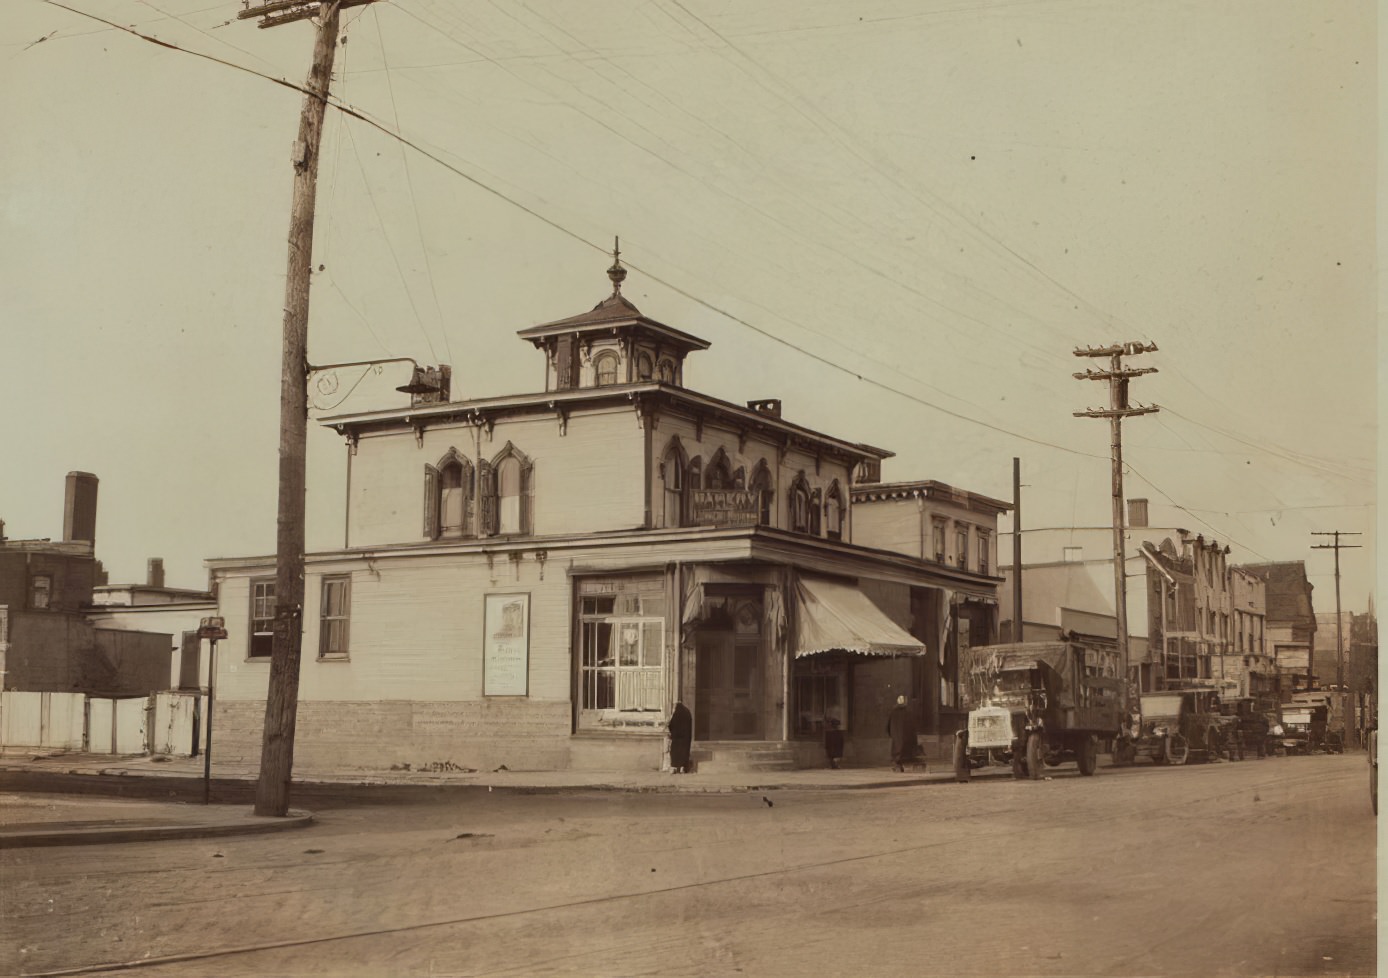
448,497
672,473
665,371
605,369
508,484
645,367
799,500
833,512
761,483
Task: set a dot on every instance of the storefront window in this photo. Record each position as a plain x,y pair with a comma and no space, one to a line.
821,693
621,652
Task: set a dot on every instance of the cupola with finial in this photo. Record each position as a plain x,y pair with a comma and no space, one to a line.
612,344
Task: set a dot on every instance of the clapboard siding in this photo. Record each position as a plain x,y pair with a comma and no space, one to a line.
587,479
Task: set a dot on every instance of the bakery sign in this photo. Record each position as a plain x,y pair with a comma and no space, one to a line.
726,507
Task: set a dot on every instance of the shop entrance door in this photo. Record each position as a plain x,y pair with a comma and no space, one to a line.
727,702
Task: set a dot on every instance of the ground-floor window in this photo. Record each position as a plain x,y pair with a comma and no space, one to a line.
821,693
621,654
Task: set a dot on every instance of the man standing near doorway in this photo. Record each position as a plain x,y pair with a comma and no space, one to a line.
901,728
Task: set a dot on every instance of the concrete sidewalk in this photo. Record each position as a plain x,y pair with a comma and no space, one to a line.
35,811
107,765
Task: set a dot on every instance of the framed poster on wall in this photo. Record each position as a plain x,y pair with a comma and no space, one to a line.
506,645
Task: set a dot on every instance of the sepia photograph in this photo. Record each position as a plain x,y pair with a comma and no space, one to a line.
689,488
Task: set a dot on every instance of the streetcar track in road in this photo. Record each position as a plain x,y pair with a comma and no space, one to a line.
1089,814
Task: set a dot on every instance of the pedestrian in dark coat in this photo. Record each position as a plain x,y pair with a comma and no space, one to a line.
681,731
833,742
901,727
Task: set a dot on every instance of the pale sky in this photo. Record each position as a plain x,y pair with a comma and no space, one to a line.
940,198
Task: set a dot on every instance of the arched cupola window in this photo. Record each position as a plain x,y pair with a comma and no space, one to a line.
448,497
605,369
508,493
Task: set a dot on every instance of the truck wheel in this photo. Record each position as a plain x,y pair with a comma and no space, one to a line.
1088,756
1176,750
1036,755
962,770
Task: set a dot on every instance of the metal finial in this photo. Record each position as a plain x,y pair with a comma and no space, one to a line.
616,273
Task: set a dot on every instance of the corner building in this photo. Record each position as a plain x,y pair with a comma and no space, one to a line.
534,580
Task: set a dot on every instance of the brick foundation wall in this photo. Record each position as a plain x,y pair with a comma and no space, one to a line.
342,737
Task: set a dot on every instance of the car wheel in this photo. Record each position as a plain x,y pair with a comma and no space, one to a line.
1088,756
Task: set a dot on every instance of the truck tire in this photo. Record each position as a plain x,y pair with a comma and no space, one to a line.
1088,756
962,769
1036,755
1175,750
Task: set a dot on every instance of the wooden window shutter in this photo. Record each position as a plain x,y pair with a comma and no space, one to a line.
489,509
431,502
527,498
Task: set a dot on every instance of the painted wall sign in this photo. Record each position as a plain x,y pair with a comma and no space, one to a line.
726,507
506,645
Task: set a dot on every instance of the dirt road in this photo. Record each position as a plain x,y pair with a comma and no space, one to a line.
1254,868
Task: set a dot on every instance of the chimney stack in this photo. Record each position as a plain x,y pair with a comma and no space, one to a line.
79,508
1137,512
155,574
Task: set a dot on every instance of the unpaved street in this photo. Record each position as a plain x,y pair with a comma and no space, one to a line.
1254,868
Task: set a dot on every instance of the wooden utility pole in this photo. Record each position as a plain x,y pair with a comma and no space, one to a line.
1118,376
1018,631
282,698
1337,546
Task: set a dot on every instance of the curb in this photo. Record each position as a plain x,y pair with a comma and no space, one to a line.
107,835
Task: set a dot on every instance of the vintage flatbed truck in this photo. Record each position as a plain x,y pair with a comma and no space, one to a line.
1037,704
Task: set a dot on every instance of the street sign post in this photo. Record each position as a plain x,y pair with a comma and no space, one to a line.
211,629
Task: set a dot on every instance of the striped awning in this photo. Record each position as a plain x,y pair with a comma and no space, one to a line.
837,617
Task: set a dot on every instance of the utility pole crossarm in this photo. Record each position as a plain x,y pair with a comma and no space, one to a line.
1118,413
1089,374
296,10
1116,350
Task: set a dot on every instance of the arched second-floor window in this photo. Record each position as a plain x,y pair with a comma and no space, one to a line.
605,369
448,497
761,483
673,476
719,474
833,512
799,504
508,492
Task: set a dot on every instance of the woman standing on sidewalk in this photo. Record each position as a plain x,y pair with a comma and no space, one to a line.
681,731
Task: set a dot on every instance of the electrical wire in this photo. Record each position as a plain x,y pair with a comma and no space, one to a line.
409,184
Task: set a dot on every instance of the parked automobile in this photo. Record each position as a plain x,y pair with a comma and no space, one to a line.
1176,726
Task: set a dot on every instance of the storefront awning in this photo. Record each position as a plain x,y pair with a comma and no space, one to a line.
835,616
